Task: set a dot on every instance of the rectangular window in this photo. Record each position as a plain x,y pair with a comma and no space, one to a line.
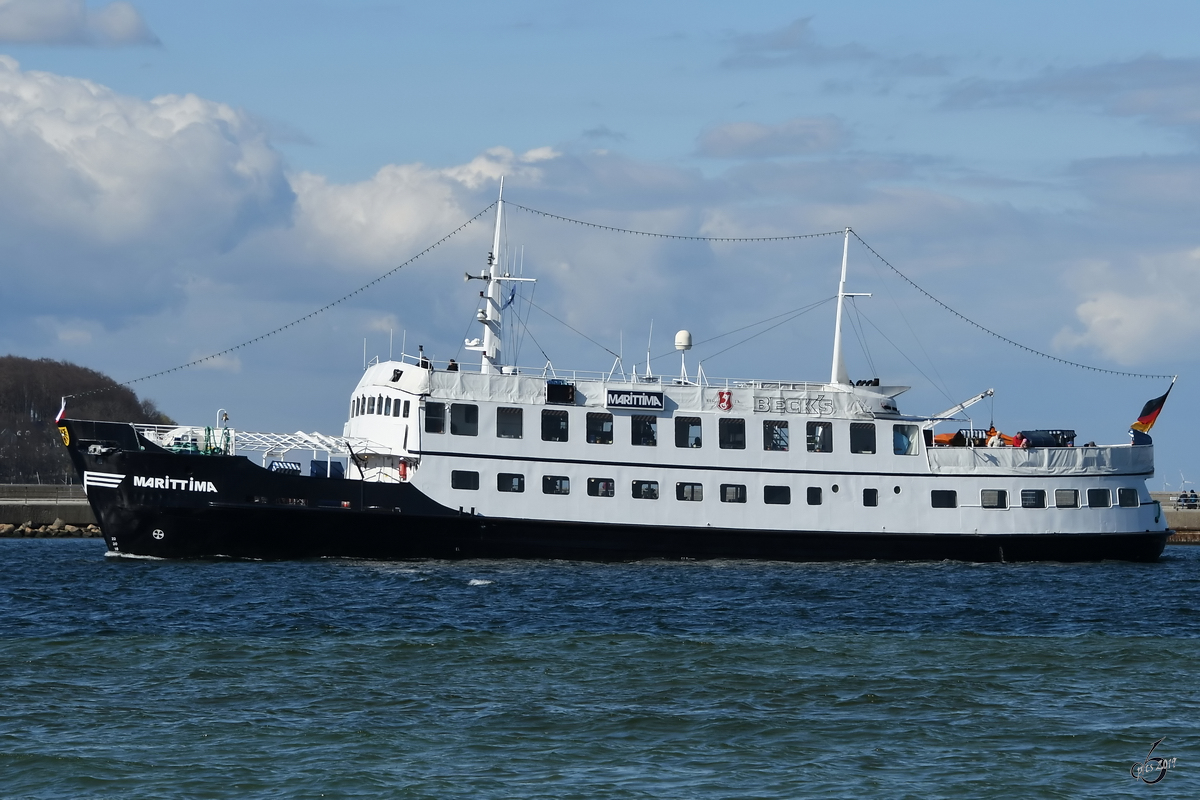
1099,498
1033,498
862,437
370,405
464,419
904,439
644,430
731,434
733,493
1066,498
510,482
601,487
689,491
396,407
554,426
820,437
510,423
814,495
777,495
405,409
556,484
387,407
687,431
599,428
560,393
993,498
435,417
870,497
379,405
775,434
1128,498
645,490
943,498
462,479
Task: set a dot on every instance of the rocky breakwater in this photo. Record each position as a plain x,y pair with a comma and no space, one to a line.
55,530
42,507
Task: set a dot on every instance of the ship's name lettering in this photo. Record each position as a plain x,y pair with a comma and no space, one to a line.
618,399
178,484
819,406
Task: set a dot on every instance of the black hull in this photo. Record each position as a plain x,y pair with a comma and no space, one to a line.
251,513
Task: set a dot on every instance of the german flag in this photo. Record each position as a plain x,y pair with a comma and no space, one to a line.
1149,415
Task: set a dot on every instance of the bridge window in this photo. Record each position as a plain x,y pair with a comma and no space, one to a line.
820,437
435,417
687,431
644,430
462,479
775,434
689,491
601,487
510,482
599,428
1128,498
464,419
943,498
1033,498
862,437
370,405
777,495
554,425
379,405
1099,498
405,415
731,434
1066,498
510,423
387,407
993,498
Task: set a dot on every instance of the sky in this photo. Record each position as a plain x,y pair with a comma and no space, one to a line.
179,178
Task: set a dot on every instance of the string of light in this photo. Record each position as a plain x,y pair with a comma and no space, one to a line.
306,317
991,332
651,234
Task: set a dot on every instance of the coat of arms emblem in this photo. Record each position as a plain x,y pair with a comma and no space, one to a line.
724,400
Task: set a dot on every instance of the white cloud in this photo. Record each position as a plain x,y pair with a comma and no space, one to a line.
1140,311
801,136
71,22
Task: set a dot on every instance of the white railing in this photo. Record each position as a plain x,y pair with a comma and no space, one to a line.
1106,460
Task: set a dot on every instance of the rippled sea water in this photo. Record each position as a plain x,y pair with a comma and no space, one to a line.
489,679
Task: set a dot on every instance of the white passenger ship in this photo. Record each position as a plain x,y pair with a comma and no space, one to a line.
444,463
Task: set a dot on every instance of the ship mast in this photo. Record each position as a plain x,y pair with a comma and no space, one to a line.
839,374
489,316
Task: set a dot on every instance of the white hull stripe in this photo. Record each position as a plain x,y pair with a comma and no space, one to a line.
105,480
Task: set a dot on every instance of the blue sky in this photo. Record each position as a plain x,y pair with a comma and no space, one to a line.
182,177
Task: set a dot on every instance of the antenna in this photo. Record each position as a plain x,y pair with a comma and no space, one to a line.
390,332
649,342
364,354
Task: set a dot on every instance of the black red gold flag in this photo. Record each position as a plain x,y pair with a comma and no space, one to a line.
1149,415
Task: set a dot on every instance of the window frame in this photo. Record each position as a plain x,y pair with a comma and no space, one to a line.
735,440
733,493
858,430
645,490
684,425
784,492
556,484
600,485
469,480
771,435
599,436
564,425
695,490
516,482
948,498
505,430
439,417
818,436
638,425
465,425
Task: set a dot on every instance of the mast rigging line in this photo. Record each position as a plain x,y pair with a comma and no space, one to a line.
991,332
548,215
308,316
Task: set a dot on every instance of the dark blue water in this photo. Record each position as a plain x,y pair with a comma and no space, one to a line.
348,679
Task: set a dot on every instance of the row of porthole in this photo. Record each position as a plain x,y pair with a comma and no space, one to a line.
782,495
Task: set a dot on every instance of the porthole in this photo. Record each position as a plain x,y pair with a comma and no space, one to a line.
835,488
896,489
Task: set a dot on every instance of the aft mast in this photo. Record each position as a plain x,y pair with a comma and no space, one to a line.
839,374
